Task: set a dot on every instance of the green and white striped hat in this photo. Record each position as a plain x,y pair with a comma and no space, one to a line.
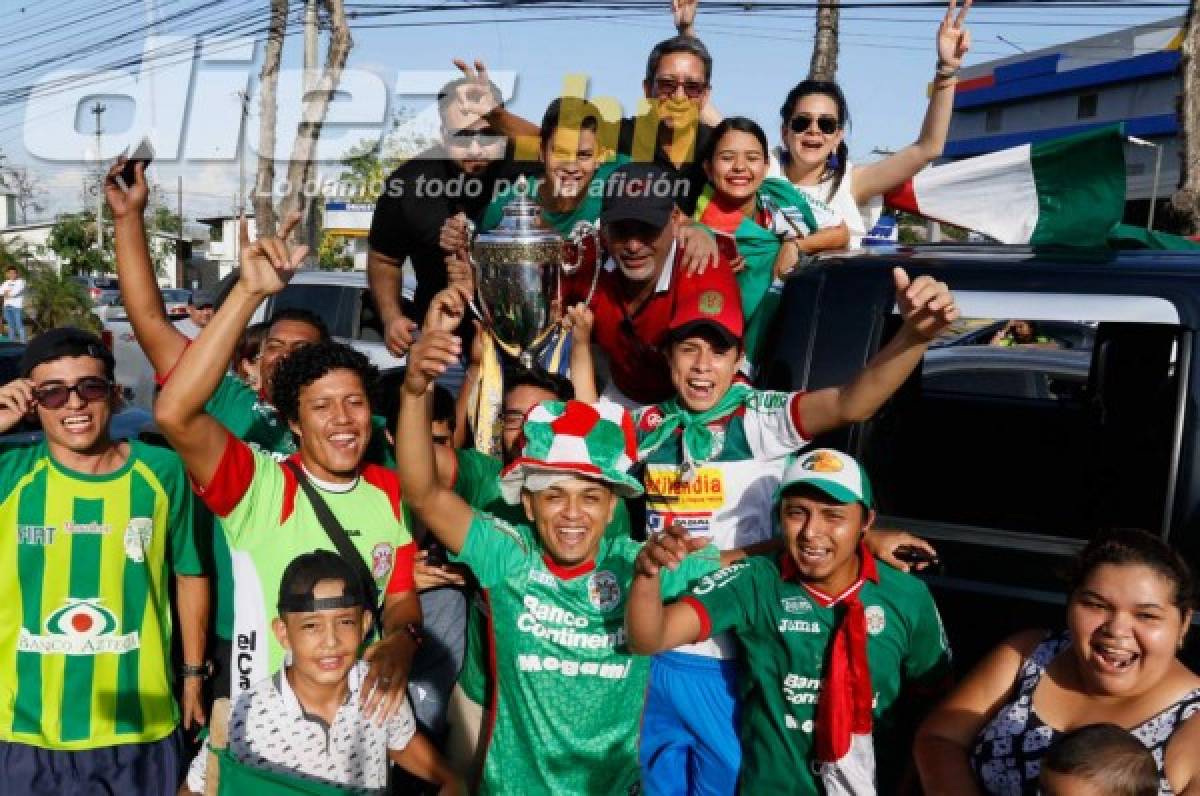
832,472
575,438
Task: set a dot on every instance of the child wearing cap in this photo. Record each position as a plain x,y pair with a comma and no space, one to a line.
304,722
829,641
713,457
567,692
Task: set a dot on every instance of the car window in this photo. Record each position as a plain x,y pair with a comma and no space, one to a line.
1033,437
332,303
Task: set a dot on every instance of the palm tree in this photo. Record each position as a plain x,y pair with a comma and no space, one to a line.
55,299
825,43
1186,201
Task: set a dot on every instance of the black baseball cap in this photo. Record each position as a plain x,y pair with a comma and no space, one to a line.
307,570
65,341
639,192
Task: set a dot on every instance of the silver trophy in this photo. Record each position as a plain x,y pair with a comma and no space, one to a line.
518,267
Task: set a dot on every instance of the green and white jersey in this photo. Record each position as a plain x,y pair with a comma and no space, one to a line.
784,630
731,498
568,695
268,521
478,483
85,623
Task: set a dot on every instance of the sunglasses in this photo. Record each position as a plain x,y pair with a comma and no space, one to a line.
464,137
90,390
827,124
667,86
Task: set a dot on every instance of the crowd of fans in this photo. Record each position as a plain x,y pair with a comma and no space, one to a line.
628,570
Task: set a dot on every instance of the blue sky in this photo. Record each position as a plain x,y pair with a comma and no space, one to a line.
887,57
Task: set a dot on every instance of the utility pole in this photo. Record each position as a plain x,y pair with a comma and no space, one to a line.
98,109
241,200
823,65
1186,201
179,275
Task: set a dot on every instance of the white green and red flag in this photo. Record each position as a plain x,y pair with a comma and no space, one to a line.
1068,191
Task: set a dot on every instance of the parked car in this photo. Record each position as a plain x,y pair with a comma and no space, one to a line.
176,301
1010,459
97,286
108,306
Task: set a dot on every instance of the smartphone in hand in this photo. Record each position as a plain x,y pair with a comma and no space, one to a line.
142,153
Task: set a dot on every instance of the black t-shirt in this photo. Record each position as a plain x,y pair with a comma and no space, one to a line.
417,199
693,167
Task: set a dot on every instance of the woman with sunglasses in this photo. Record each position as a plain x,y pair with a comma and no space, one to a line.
815,158
773,225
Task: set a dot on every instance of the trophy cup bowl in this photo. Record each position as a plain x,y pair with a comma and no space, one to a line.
517,267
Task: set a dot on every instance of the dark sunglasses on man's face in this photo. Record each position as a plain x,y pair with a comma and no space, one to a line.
90,389
667,86
825,123
464,137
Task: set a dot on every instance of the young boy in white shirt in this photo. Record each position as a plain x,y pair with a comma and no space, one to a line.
305,721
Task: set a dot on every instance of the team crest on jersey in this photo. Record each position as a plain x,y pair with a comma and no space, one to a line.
651,419
381,559
796,605
81,627
603,591
875,619
138,534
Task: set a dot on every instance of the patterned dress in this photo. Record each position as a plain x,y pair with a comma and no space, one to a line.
1008,752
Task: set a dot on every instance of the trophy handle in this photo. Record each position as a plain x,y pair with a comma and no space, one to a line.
471,232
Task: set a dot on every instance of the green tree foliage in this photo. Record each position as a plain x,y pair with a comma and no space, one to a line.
55,299
335,253
73,239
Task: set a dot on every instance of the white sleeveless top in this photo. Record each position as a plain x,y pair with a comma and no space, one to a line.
860,219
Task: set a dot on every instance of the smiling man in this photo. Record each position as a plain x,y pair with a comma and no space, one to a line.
564,712
828,640
634,293
91,531
714,455
322,497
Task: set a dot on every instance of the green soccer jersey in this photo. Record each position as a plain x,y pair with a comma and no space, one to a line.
784,631
568,692
268,521
587,210
85,623
478,483
250,418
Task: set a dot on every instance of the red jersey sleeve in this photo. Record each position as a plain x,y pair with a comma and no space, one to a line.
402,570
231,479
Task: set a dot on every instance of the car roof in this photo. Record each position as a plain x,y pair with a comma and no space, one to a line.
342,278
991,256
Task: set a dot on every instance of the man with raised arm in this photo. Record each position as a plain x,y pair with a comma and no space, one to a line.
91,532
271,511
828,639
565,709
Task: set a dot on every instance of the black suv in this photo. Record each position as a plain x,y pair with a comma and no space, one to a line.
1008,459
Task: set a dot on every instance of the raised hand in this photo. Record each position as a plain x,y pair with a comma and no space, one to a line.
579,320
446,311
477,98
431,356
684,12
129,201
16,401
268,264
666,549
926,305
953,37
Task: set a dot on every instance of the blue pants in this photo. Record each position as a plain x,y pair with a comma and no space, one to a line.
14,318
689,742
147,769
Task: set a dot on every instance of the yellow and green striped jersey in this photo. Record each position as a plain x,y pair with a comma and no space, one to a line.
85,624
